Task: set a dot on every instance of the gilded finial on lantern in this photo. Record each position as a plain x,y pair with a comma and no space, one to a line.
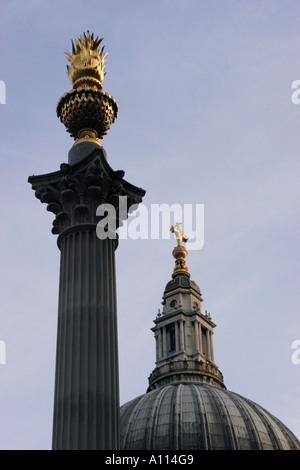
179,252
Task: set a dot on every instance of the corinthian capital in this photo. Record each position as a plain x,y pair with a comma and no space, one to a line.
74,192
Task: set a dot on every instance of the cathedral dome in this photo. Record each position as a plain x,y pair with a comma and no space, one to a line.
187,405
200,417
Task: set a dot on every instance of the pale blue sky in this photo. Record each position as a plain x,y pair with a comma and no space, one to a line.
206,117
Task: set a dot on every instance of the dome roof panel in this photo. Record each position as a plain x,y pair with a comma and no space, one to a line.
200,417
181,282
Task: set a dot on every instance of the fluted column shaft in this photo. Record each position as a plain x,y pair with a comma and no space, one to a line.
86,404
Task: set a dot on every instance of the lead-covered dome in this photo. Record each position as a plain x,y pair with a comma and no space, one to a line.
200,417
187,405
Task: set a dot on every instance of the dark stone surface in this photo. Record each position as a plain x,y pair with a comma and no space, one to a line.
79,151
86,405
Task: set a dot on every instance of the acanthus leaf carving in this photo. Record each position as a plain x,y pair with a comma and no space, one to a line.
54,207
74,193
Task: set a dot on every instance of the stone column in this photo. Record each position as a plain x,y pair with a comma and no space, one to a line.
177,336
156,346
196,337
164,341
182,342
86,401
199,333
211,349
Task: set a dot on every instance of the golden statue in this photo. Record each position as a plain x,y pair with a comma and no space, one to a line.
179,252
87,111
179,233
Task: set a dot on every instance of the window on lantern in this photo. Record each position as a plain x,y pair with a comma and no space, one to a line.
172,341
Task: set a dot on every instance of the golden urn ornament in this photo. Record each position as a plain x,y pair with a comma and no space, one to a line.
87,111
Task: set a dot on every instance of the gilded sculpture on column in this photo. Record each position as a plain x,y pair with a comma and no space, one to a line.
87,111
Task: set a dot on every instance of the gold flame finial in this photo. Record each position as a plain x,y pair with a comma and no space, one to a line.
87,59
179,252
87,111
